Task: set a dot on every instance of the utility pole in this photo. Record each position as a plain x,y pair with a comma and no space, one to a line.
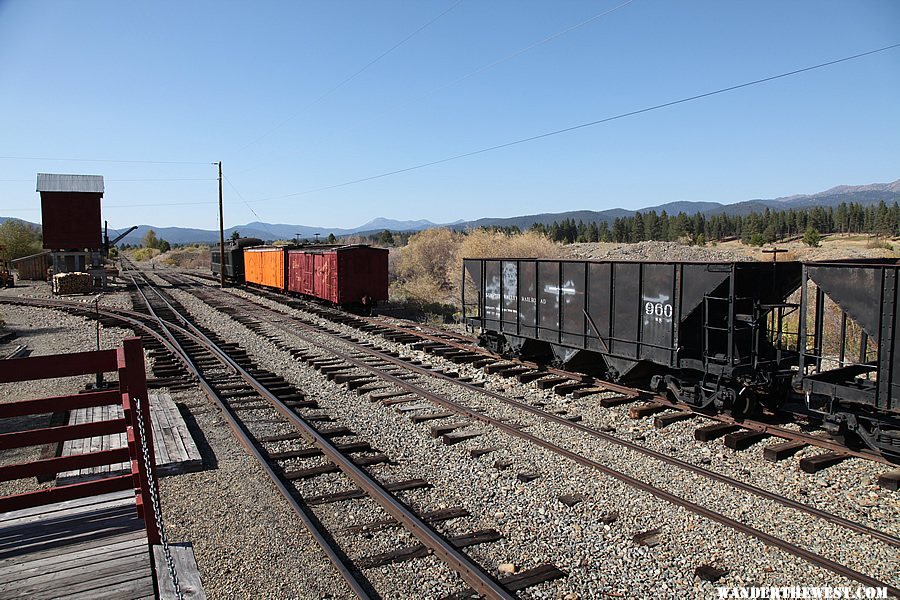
221,233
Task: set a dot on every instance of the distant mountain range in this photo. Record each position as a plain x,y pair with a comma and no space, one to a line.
861,194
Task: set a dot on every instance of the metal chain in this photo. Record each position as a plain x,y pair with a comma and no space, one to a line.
154,500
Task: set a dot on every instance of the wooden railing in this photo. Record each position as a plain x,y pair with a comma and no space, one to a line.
128,363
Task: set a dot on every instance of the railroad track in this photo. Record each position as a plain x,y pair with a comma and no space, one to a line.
382,374
239,388
740,433
270,392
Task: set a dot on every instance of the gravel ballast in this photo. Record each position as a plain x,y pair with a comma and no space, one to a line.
249,544
691,535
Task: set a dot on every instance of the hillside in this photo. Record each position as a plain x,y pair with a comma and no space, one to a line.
865,195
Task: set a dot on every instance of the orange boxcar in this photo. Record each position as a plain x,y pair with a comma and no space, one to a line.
264,265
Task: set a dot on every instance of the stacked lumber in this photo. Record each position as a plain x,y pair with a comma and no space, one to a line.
72,283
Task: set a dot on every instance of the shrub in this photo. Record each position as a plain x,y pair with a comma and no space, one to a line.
422,267
143,254
19,238
483,243
811,238
194,258
429,267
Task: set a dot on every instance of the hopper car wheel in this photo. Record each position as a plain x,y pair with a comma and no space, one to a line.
743,403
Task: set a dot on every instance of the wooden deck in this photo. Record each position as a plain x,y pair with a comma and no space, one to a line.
175,449
89,548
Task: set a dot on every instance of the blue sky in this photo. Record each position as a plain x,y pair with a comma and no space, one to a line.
257,85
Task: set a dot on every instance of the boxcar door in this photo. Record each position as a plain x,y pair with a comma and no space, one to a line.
307,275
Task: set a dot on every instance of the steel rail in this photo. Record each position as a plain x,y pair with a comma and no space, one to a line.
467,343
671,460
766,538
832,518
471,572
244,437
239,431
463,343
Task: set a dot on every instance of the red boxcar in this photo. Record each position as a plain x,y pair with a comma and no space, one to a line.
342,275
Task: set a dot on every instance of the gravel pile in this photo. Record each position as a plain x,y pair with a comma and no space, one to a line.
654,251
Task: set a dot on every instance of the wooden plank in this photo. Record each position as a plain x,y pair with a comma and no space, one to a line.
181,448
104,443
20,570
136,588
173,439
159,439
86,548
74,573
191,452
98,413
175,449
66,492
163,432
178,432
58,403
29,515
94,443
91,545
128,578
50,366
186,569
48,535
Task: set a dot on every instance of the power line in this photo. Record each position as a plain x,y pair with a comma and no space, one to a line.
585,125
348,79
258,218
105,160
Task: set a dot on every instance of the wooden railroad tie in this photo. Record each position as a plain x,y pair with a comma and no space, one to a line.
782,450
708,433
741,440
645,410
355,494
814,464
419,550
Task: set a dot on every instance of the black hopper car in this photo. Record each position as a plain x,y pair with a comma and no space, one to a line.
851,365
728,336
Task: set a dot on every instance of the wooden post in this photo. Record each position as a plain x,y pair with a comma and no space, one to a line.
133,386
221,233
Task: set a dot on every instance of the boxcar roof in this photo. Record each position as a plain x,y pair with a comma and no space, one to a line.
627,261
55,182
